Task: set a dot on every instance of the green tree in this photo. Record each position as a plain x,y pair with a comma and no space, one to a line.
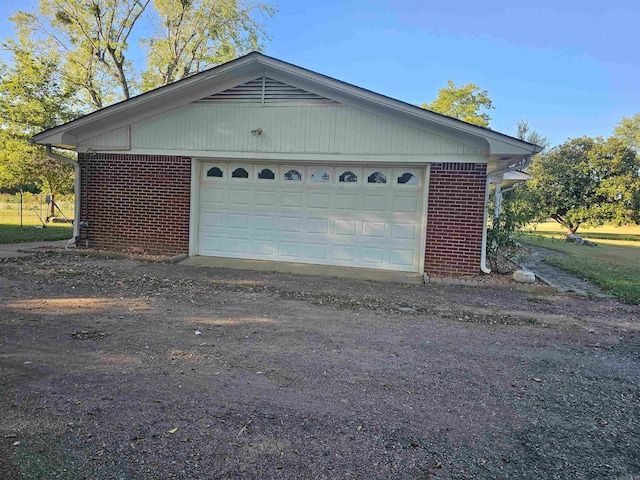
186,36
628,130
526,133
464,103
515,212
193,35
32,99
586,181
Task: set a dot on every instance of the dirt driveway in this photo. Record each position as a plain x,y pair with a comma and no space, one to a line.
118,369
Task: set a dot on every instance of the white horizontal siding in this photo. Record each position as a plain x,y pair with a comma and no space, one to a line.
292,129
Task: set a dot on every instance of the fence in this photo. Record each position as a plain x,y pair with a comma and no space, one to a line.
28,209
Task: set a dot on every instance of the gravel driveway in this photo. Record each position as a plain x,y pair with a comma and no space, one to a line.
119,369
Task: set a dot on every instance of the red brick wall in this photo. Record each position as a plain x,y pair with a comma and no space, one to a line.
455,213
135,201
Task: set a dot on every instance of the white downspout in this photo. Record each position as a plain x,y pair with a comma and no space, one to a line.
498,206
483,253
76,192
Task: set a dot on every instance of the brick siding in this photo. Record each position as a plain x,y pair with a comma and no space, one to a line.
455,213
135,201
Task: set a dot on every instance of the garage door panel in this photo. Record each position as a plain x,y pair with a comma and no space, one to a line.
265,222
344,253
214,195
404,231
374,229
346,202
373,256
291,224
316,251
319,201
320,222
213,220
405,204
402,257
318,226
237,245
291,199
265,199
375,203
264,247
238,220
290,249
345,228
239,197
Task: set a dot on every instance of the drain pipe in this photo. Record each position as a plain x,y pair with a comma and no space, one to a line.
483,253
76,192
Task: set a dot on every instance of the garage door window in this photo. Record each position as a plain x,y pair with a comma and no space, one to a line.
240,173
266,174
320,176
348,177
377,177
214,172
407,178
294,175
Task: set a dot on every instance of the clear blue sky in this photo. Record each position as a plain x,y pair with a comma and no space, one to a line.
570,67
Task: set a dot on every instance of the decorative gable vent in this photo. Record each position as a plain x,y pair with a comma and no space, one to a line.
267,92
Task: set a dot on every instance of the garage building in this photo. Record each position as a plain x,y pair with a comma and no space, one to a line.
260,159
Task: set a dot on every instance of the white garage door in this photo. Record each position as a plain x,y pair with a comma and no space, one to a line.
350,216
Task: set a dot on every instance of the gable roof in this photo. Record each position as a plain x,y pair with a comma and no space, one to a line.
502,148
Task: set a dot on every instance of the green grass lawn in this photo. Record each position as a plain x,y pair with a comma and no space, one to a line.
614,265
31,230
16,234
605,232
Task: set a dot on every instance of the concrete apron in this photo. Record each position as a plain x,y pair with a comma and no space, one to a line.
305,269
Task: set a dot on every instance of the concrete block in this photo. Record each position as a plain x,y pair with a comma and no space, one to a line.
524,276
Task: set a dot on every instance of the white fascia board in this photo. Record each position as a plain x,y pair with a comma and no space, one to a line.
58,139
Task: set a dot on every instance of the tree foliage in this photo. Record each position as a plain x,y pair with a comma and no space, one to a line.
586,181
465,103
187,36
193,35
628,131
526,133
32,99
74,56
